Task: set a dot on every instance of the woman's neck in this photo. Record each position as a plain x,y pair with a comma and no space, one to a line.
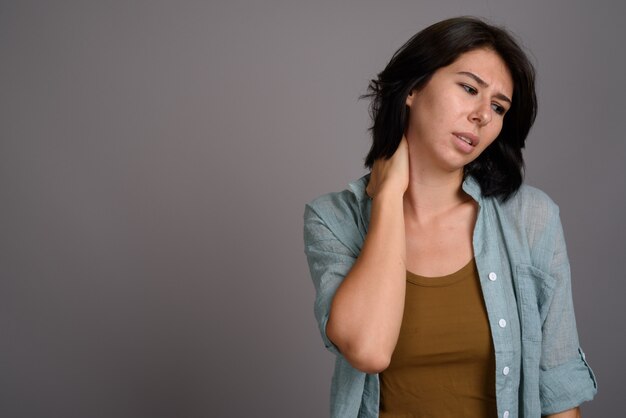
432,192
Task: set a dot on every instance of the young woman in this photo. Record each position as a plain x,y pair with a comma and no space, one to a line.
443,284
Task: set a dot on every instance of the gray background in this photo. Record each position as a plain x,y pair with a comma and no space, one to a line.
155,158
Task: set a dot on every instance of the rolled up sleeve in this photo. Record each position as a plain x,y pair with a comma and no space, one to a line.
567,385
329,262
565,378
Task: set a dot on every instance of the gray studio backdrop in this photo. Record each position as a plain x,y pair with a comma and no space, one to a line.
155,159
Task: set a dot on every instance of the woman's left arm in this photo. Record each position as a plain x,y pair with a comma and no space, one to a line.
565,378
570,413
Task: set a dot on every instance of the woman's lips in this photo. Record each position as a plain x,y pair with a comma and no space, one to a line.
468,138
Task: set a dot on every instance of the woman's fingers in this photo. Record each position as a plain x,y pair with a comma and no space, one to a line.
392,173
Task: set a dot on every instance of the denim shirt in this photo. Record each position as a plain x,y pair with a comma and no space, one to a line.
525,279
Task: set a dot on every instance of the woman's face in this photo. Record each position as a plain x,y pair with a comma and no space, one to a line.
460,110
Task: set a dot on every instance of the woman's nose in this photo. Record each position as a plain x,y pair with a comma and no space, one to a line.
481,114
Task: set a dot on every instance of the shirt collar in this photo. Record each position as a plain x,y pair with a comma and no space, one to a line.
472,188
358,187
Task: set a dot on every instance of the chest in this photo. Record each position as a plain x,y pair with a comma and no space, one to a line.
442,245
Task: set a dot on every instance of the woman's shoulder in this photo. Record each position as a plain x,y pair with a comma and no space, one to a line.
533,214
345,213
529,201
347,202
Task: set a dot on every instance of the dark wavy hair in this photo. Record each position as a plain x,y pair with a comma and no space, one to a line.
500,168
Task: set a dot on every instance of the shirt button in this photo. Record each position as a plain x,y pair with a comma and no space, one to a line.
505,371
502,323
506,414
493,276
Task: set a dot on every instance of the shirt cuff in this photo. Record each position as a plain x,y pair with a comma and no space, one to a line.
566,386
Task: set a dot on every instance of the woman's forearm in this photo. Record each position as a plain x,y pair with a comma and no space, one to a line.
366,312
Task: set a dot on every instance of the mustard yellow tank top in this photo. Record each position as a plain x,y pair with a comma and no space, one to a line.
444,363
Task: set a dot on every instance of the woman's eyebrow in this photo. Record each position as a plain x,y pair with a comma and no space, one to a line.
482,83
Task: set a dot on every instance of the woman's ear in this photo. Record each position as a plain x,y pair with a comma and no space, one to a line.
410,98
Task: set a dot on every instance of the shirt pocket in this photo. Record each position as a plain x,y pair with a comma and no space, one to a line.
535,289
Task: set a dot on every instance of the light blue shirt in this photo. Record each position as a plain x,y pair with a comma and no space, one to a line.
525,279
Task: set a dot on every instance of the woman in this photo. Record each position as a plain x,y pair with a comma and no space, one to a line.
442,281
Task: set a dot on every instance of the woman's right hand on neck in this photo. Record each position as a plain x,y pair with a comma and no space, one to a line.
390,175
366,311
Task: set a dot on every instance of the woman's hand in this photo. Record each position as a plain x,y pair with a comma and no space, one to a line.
391,174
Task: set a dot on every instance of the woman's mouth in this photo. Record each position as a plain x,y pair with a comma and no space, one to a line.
462,138
467,137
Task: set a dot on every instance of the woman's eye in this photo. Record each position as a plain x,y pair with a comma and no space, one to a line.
471,90
498,109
